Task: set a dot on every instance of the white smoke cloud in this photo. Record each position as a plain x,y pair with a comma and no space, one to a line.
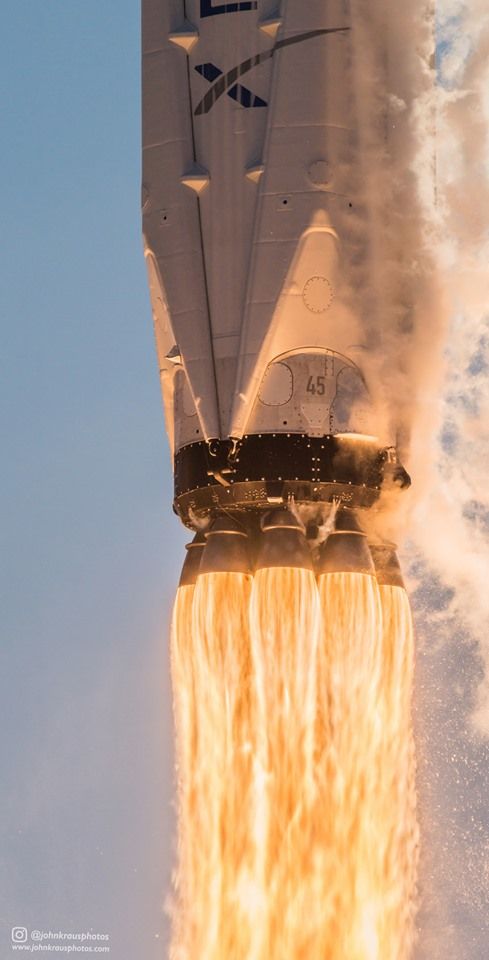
393,51
440,369
450,519
426,179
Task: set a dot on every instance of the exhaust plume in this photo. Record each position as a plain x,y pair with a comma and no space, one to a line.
211,670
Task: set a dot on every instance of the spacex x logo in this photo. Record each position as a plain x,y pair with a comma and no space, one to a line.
237,92
226,83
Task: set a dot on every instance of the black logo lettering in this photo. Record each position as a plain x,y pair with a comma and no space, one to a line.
237,92
208,10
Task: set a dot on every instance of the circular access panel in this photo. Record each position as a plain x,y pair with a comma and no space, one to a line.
317,294
320,174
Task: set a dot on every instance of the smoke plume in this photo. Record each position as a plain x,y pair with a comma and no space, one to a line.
450,518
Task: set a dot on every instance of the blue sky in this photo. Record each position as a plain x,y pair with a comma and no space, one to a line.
90,549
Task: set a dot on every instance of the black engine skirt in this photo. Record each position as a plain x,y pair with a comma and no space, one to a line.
271,468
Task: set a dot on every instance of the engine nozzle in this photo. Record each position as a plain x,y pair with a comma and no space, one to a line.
191,566
387,567
283,542
346,549
226,549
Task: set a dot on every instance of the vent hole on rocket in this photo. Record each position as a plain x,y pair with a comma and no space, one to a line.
285,423
350,205
285,202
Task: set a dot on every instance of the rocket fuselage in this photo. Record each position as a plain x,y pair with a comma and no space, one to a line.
257,245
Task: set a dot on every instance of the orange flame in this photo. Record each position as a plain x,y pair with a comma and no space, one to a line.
285,624
210,663
297,827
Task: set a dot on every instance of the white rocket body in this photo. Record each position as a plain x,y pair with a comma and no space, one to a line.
256,241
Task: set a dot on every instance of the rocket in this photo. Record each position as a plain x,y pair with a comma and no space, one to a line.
256,239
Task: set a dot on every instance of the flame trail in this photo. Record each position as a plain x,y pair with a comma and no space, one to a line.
397,767
365,672
349,681
210,660
284,636
297,819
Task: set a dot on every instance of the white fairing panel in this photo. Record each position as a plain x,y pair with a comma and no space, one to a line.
250,215
295,294
171,218
314,394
